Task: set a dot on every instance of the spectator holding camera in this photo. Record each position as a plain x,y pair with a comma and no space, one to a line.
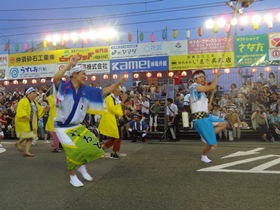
173,117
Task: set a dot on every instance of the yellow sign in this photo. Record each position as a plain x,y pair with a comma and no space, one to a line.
59,56
200,61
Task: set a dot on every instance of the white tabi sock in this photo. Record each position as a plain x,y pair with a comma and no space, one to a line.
75,181
83,171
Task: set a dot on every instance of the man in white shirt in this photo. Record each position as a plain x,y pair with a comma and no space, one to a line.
145,107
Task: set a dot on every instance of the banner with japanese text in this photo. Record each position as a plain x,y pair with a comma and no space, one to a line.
274,48
31,71
200,61
59,56
251,50
208,45
3,66
150,49
140,64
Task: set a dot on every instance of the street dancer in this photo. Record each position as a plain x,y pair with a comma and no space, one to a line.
74,100
109,123
203,122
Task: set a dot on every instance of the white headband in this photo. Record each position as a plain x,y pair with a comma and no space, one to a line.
76,69
199,75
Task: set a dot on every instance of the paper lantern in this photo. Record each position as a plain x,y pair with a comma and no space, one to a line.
85,41
129,37
15,82
51,79
175,34
164,34
239,71
93,78
215,28
43,80
256,26
188,34
170,74
141,36
16,47
34,81
115,76
227,71
63,43
267,69
184,73
199,31
24,81
152,37
159,75
6,47
215,71
149,74
25,46
6,83
125,76
136,76
105,76
45,43
253,70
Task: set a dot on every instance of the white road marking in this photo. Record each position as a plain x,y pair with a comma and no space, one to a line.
250,152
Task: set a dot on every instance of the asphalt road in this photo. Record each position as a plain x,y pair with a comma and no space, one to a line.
154,175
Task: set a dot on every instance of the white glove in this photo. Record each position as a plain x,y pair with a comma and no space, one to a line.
144,134
130,129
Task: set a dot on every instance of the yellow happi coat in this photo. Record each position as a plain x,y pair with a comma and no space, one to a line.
23,110
108,124
50,122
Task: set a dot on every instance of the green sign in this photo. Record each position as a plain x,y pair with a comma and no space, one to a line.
251,50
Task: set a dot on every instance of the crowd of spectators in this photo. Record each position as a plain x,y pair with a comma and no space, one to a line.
258,99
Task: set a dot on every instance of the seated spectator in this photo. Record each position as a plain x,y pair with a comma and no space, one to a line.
259,122
223,100
261,79
271,81
234,123
263,98
126,118
230,105
233,90
137,128
253,96
272,101
256,105
145,106
241,102
276,106
273,121
244,89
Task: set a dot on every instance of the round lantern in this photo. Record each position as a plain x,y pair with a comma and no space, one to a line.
267,69
125,76
43,80
51,79
115,76
6,83
253,70
34,81
188,34
149,74
170,74
63,78
129,37
227,71
152,37
93,78
141,36
239,71
159,75
63,43
175,34
215,71
16,47
184,73
24,81
136,76
199,31
6,47
15,82
215,28
105,76
25,46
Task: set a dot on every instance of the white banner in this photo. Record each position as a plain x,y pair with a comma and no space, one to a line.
149,49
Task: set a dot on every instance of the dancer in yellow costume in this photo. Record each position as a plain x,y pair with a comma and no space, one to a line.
26,120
